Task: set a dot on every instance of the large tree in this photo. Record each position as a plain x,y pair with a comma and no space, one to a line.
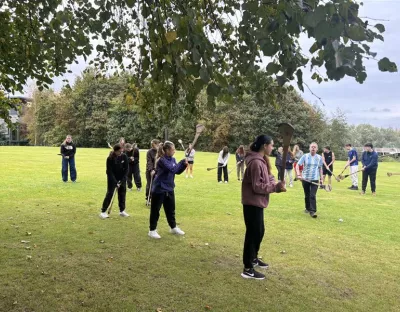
186,44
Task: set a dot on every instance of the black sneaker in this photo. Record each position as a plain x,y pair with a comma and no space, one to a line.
259,263
355,188
351,187
313,214
251,273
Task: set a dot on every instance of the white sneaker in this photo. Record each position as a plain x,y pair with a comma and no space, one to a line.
154,234
226,181
139,189
123,214
177,231
290,185
220,182
104,215
186,176
191,176
130,189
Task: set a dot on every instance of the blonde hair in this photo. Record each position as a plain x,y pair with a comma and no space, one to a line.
65,141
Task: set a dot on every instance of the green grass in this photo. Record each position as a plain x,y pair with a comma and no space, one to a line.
328,265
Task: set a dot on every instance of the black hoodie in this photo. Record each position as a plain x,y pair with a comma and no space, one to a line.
117,168
68,149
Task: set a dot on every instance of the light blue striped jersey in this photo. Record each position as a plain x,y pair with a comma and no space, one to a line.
312,165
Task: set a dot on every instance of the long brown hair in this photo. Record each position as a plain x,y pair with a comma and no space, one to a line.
162,148
240,150
225,151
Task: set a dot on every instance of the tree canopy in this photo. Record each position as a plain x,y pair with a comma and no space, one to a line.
188,45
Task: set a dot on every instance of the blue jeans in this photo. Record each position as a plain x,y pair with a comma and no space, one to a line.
72,169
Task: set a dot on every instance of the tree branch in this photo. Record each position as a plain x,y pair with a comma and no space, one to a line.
319,98
375,19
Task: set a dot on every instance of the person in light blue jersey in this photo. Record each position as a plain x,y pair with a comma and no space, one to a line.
312,173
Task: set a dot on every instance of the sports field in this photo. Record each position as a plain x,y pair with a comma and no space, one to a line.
56,254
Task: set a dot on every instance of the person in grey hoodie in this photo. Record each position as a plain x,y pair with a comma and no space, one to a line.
258,183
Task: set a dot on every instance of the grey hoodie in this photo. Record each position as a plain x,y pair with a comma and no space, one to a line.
257,184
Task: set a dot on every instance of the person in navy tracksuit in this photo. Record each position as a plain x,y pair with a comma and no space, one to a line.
370,166
162,192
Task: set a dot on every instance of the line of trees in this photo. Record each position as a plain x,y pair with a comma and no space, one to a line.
96,110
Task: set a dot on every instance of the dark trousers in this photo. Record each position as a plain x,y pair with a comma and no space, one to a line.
148,182
220,168
110,191
166,199
134,172
72,169
372,179
310,195
280,173
254,221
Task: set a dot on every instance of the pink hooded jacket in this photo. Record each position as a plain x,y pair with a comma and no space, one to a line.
257,184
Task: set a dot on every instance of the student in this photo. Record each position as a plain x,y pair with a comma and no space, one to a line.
163,188
312,172
369,169
117,171
352,162
328,158
129,154
223,158
189,154
297,152
258,183
122,143
68,150
136,168
289,168
278,163
151,165
240,162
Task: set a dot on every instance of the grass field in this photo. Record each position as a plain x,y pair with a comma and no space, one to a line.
74,261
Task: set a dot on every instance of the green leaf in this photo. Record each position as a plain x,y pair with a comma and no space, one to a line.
273,68
213,89
170,36
130,3
281,80
380,27
198,85
221,80
299,75
204,75
386,65
361,76
356,33
314,47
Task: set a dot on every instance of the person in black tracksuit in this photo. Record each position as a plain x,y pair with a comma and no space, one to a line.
129,153
151,165
117,171
136,168
328,158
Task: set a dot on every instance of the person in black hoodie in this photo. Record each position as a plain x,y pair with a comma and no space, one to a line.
151,165
136,169
129,154
68,150
117,171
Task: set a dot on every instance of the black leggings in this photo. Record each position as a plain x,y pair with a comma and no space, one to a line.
254,221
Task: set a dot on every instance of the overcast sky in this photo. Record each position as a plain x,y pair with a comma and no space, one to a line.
376,101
